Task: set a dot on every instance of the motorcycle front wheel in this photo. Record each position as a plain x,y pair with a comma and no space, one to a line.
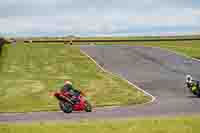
88,107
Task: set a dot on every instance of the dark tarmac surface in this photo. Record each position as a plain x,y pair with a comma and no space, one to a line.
159,72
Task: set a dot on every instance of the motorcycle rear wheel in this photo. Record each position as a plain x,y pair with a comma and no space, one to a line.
65,107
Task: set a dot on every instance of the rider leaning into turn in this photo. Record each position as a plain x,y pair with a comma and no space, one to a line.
192,84
68,87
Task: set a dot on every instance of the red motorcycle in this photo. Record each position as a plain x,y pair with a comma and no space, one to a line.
67,105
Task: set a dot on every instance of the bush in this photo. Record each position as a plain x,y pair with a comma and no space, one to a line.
2,42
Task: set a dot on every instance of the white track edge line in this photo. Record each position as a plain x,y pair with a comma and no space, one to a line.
140,89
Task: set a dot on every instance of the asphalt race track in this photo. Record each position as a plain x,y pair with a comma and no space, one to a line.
159,72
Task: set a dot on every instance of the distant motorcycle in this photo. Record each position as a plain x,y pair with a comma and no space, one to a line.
67,105
193,85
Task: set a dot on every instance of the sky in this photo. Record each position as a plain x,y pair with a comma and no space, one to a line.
99,17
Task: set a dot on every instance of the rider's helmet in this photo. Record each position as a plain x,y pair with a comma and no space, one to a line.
67,82
188,79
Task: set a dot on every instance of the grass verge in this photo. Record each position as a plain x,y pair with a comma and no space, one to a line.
150,125
29,72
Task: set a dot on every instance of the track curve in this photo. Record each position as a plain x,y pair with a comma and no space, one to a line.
157,71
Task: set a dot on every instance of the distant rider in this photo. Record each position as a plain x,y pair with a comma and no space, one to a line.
68,87
189,81
192,84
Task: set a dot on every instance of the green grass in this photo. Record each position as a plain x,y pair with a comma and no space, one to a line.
150,125
114,38
29,72
138,37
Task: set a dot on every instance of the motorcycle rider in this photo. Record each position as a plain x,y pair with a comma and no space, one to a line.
193,85
189,81
68,87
